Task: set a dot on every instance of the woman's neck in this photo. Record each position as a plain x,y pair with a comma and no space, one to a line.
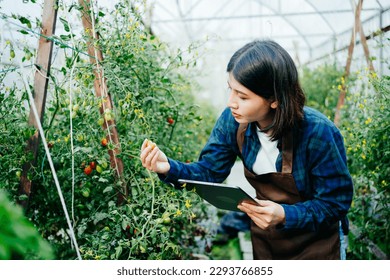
266,128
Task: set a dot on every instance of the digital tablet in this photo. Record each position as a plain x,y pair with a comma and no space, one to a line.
222,196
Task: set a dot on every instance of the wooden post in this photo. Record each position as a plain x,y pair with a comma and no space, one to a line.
101,91
365,46
357,29
41,81
341,100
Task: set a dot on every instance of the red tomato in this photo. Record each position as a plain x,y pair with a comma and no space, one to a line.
88,170
104,142
170,120
92,164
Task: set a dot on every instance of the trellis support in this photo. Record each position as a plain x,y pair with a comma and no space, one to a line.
357,29
41,81
101,91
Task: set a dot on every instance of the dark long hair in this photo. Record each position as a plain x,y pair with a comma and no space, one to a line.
266,69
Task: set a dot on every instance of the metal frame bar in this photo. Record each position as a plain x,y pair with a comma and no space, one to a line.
257,16
290,23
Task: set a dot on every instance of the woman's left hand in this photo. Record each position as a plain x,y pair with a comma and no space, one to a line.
266,215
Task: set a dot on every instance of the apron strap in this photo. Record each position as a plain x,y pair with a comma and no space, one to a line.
287,152
287,147
241,135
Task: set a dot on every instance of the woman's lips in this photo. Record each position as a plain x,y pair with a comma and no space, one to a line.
235,115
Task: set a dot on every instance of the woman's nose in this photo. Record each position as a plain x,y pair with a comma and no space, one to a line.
232,102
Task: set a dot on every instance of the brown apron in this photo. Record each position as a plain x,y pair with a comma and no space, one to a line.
280,187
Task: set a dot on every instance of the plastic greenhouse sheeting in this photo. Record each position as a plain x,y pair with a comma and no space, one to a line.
313,31
308,28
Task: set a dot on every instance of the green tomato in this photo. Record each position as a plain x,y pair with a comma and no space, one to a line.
80,137
80,206
99,169
85,192
165,215
104,164
108,115
101,121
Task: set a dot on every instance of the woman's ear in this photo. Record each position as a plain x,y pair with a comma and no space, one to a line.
274,104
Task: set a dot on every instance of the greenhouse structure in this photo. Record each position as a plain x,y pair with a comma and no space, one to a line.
105,104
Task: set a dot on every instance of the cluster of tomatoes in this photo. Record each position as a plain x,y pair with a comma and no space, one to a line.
92,165
89,168
130,231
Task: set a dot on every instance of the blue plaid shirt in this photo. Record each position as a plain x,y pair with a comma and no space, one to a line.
319,167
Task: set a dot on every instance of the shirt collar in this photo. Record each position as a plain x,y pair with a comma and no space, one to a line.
251,131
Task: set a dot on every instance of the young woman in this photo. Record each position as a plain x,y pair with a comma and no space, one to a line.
293,156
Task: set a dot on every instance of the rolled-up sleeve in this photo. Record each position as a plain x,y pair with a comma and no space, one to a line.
215,160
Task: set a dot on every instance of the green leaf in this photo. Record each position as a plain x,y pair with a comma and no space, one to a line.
118,251
25,21
23,197
165,80
99,217
65,37
65,23
124,224
103,180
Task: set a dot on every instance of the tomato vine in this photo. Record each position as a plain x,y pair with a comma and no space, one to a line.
147,86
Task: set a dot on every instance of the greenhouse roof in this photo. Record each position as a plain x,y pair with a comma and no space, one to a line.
307,28
312,31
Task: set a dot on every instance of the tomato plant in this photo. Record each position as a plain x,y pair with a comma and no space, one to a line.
365,123
147,82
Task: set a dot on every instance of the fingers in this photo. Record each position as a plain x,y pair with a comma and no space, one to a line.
149,158
250,208
144,144
153,158
147,143
265,215
146,148
254,214
264,203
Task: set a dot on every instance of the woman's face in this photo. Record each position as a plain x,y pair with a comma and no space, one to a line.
246,106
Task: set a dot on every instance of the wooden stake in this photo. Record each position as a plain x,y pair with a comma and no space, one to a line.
41,81
101,91
365,47
351,47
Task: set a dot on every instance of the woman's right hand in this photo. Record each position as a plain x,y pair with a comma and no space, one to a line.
153,158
